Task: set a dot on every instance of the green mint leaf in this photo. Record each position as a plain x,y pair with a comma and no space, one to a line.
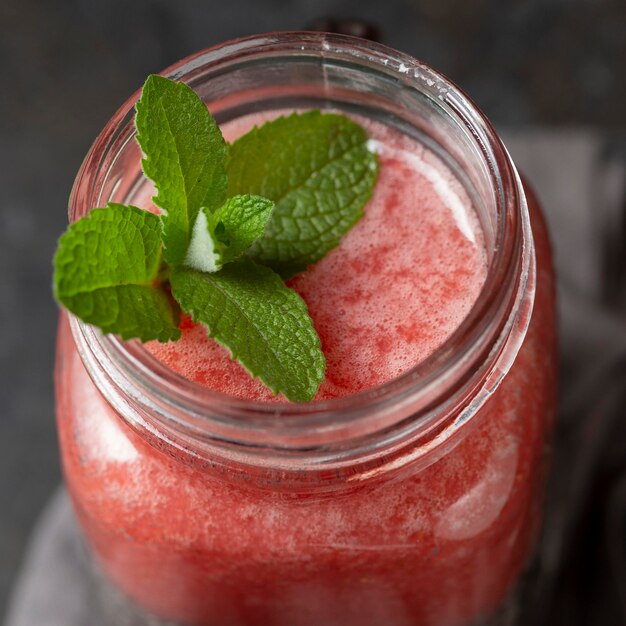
266,326
184,157
220,237
239,222
105,271
318,170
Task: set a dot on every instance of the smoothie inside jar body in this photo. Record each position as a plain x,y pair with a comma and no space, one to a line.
398,285
436,547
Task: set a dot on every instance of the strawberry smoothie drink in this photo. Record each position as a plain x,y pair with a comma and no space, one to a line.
409,492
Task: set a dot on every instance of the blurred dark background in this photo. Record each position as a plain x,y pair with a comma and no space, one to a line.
66,65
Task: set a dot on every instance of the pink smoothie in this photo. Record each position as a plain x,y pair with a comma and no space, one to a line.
399,284
438,545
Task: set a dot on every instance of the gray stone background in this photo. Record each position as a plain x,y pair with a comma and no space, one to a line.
66,65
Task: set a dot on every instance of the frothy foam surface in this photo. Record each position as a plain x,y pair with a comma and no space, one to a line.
397,287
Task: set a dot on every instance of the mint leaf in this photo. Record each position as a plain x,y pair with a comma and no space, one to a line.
184,157
317,169
239,222
247,308
220,237
105,270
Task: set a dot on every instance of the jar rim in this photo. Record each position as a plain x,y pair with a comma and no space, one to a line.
194,414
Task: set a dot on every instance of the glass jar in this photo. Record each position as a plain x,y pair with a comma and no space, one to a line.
416,503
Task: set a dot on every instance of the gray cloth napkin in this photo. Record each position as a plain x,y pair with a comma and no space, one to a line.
582,189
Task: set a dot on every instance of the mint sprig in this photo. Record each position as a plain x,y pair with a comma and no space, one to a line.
280,200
